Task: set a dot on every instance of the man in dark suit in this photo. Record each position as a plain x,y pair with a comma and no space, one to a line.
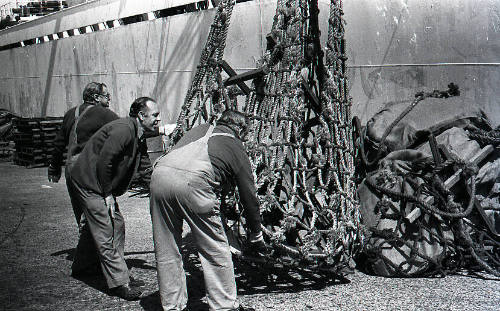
79,124
102,172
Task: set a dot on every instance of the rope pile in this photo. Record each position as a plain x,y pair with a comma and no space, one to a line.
452,221
486,137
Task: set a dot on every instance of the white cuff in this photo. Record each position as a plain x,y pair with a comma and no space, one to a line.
255,237
166,129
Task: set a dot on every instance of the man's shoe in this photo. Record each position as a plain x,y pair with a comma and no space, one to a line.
126,292
88,272
136,282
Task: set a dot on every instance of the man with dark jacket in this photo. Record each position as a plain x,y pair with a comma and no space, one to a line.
102,172
185,185
79,124
90,116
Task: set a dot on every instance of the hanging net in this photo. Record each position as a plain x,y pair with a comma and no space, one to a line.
300,144
207,97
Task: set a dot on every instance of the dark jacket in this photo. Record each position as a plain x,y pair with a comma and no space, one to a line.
232,168
89,123
110,158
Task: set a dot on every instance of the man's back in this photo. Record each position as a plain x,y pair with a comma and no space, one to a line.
105,164
231,166
227,154
89,123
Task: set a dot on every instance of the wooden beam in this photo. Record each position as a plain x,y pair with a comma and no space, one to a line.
450,182
309,93
231,73
249,75
434,149
271,42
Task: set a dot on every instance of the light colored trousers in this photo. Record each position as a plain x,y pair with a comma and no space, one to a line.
174,199
108,234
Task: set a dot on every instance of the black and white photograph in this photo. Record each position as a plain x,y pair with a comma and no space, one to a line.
249,155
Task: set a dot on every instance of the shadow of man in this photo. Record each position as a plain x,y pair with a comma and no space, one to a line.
251,278
95,278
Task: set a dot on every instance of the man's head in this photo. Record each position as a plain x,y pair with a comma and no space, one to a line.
235,120
96,94
146,110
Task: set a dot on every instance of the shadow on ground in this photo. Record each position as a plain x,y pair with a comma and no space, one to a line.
251,277
131,262
257,278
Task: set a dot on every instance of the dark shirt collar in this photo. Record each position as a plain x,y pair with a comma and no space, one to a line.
137,127
140,129
225,129
85,105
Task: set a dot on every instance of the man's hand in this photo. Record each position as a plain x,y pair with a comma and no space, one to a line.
166,129
111,204
256,246
54,173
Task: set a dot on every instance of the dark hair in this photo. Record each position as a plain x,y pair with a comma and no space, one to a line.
236,120
91,89
138,105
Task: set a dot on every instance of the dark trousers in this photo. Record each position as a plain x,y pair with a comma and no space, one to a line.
86,257
100,235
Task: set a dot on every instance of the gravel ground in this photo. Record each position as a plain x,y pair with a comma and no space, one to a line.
38,235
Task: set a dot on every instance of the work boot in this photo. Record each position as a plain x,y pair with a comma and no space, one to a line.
91,271
126,292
